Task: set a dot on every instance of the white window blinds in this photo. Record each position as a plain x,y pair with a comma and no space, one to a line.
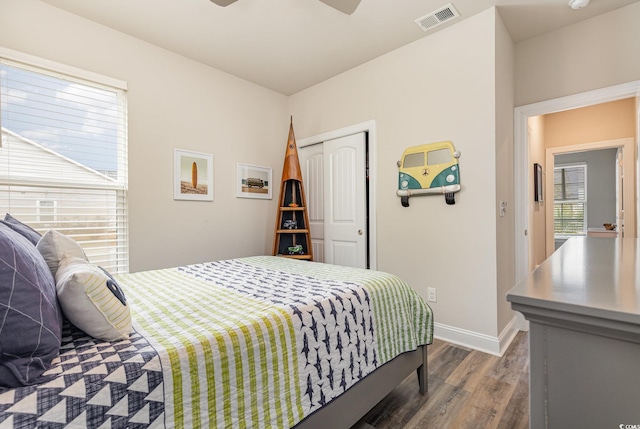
570,199
63,157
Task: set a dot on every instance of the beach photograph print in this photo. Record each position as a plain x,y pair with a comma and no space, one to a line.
193,176
253,181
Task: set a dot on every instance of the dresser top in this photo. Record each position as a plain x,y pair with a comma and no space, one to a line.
590,276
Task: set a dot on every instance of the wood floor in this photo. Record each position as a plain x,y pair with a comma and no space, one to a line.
467,389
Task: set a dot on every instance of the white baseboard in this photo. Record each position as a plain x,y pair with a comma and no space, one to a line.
475,340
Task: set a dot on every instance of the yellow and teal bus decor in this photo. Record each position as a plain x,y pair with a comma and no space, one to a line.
429,169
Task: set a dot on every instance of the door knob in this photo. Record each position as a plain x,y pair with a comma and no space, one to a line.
359,232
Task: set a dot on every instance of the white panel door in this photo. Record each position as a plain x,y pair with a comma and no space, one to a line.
345,228
334,174
312,165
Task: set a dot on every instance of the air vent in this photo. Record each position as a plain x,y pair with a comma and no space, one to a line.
437,17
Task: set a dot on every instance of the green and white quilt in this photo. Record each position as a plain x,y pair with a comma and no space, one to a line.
263,342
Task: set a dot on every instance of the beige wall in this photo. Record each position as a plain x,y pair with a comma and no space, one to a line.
505,225
173,103
537,215
596,53
606,121
421,93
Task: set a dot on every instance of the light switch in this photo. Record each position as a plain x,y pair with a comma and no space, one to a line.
503,208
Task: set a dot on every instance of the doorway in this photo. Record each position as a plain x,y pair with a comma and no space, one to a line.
339,176
522,159
622,160
608,165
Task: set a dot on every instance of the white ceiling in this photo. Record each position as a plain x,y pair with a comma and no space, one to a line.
290,45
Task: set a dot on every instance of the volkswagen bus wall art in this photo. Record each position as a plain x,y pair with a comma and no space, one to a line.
429,169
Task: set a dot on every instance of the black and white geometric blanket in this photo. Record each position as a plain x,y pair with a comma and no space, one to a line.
93,384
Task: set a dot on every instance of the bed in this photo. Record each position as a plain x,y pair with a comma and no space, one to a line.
251,342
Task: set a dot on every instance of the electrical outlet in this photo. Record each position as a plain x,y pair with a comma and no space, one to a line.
431,294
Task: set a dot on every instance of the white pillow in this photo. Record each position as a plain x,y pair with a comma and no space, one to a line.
54,246
92,300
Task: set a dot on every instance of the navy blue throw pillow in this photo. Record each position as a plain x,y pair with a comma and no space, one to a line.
23,229
30,332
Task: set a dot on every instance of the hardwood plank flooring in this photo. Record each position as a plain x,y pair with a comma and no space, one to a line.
467,389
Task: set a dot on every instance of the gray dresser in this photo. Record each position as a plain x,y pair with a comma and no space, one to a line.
583,305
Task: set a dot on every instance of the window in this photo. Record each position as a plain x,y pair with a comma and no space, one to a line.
46,211
570,199
63,158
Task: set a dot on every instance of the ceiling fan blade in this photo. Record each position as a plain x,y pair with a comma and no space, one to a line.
223,3
344,6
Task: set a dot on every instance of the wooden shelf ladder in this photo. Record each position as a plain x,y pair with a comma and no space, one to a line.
292,238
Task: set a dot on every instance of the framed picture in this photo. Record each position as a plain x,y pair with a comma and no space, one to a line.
538,183
253,181
192,176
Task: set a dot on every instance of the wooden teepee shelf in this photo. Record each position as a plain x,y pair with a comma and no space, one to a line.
292,238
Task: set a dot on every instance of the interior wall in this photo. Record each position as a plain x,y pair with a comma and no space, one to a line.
417,94
595,53
173,102
505,222
606,121
537,214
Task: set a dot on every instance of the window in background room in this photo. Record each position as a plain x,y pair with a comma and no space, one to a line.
63,157
570,200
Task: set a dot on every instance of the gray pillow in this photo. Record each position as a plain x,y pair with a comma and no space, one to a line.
30,332
54,246
21,228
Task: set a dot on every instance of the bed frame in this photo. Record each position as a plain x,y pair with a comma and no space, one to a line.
346,410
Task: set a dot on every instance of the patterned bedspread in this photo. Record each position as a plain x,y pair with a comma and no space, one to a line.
258,342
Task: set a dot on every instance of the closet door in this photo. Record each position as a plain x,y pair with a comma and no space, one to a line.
335,185
312,165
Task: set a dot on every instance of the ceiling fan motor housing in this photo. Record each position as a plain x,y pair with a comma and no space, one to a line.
344,6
